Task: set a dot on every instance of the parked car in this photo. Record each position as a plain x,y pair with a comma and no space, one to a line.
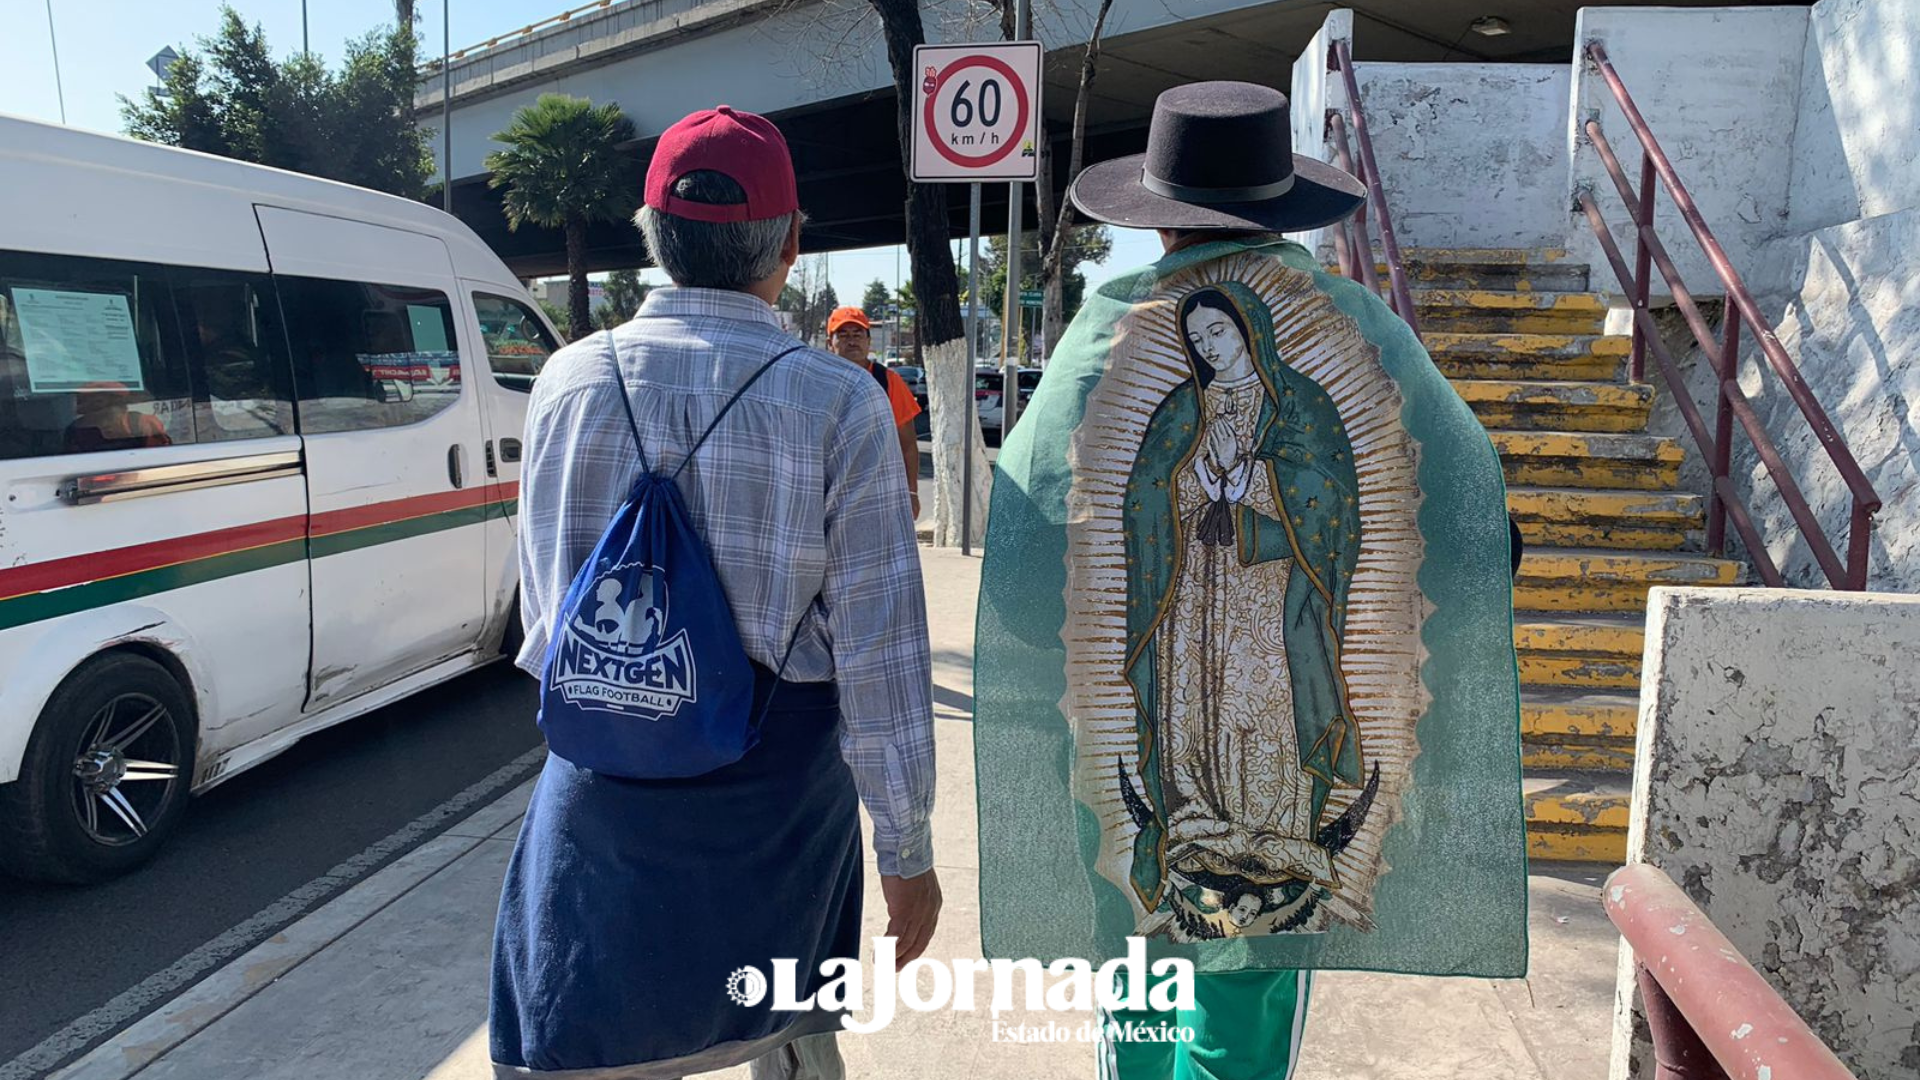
260,444
916,381
987,387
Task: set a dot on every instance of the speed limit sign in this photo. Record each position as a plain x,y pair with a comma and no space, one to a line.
976,113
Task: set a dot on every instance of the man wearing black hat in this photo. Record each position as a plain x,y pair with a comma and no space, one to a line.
1247,560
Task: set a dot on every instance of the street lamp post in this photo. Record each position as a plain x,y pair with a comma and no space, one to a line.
446,106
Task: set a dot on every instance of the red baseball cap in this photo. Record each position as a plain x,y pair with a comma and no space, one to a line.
740,145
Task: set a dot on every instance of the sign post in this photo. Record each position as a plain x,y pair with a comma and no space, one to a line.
976,117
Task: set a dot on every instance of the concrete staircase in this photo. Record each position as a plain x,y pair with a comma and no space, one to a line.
1597,500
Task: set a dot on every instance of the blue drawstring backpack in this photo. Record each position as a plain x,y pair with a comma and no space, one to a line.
645,675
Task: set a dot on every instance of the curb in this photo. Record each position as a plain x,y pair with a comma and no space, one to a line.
133,1048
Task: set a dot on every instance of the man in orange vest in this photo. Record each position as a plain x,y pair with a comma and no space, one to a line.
850,334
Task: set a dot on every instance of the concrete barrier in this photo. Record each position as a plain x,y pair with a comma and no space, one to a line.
1778,782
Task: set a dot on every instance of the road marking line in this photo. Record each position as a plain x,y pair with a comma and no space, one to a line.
131,1004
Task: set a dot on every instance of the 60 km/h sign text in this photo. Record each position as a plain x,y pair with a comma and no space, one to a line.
975,112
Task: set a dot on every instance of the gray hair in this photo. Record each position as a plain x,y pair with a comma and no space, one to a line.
707,255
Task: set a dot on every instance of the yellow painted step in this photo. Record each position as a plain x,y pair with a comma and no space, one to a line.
1608,581
1583,754
1529,356
1625,520
1492,311
1586,672
1562,729
1629,520
1587,652
1573,714
1620,637
1516,404
1621,537
1577,816
1517,269
1572,459
1576,844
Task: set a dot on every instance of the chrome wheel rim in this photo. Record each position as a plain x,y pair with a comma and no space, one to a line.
127,768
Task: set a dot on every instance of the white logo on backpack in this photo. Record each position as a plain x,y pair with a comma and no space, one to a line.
618,662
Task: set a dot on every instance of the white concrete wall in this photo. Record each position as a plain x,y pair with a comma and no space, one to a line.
1842,289
1471,155
1778,783
1848,311
1853,148
1315,90
1719,87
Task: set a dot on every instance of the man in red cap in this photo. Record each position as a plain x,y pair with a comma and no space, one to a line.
850,334
640,920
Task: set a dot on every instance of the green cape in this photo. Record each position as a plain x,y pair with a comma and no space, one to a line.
1388,501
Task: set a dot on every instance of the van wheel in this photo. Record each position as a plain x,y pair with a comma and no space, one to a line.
106,774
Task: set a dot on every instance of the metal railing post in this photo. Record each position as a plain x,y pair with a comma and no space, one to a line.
1859,534
1356,226
1389,244
1727,382
1642,267
1678,1053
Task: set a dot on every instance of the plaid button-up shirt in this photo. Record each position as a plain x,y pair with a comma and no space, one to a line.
799,496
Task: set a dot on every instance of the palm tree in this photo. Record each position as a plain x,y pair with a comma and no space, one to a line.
562,169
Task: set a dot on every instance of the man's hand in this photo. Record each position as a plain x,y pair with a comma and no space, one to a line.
915,496
913,910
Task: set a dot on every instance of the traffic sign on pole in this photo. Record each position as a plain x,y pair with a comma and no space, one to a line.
976,112
1031,297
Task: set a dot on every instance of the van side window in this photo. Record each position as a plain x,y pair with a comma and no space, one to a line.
518,343
242,385
369,356
91,357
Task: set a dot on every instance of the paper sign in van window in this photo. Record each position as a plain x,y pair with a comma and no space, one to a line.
429,329
78,341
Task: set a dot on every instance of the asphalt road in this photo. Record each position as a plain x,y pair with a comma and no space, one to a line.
67,952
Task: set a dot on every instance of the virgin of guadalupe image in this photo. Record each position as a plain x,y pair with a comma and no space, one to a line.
1242,531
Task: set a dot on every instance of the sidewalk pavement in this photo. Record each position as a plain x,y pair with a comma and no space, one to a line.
389,980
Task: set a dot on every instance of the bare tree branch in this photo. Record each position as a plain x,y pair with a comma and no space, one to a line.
1056,228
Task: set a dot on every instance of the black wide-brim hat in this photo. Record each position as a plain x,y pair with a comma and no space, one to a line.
1219,156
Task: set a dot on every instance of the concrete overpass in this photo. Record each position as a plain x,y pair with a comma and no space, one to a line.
818,67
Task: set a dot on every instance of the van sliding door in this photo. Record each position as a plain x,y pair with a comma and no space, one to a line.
391,426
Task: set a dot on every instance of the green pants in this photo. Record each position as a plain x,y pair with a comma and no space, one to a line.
1245,1025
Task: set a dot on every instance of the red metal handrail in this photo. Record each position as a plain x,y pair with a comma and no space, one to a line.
1712,1016
1352,233
1724,356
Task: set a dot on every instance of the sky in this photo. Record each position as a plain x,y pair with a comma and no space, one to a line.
104,46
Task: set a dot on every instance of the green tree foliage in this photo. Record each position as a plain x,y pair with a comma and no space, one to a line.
623,293
877,299
556,315
230,97
1088,244
562,169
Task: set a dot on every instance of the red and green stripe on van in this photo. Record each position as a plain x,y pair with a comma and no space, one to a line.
47,590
